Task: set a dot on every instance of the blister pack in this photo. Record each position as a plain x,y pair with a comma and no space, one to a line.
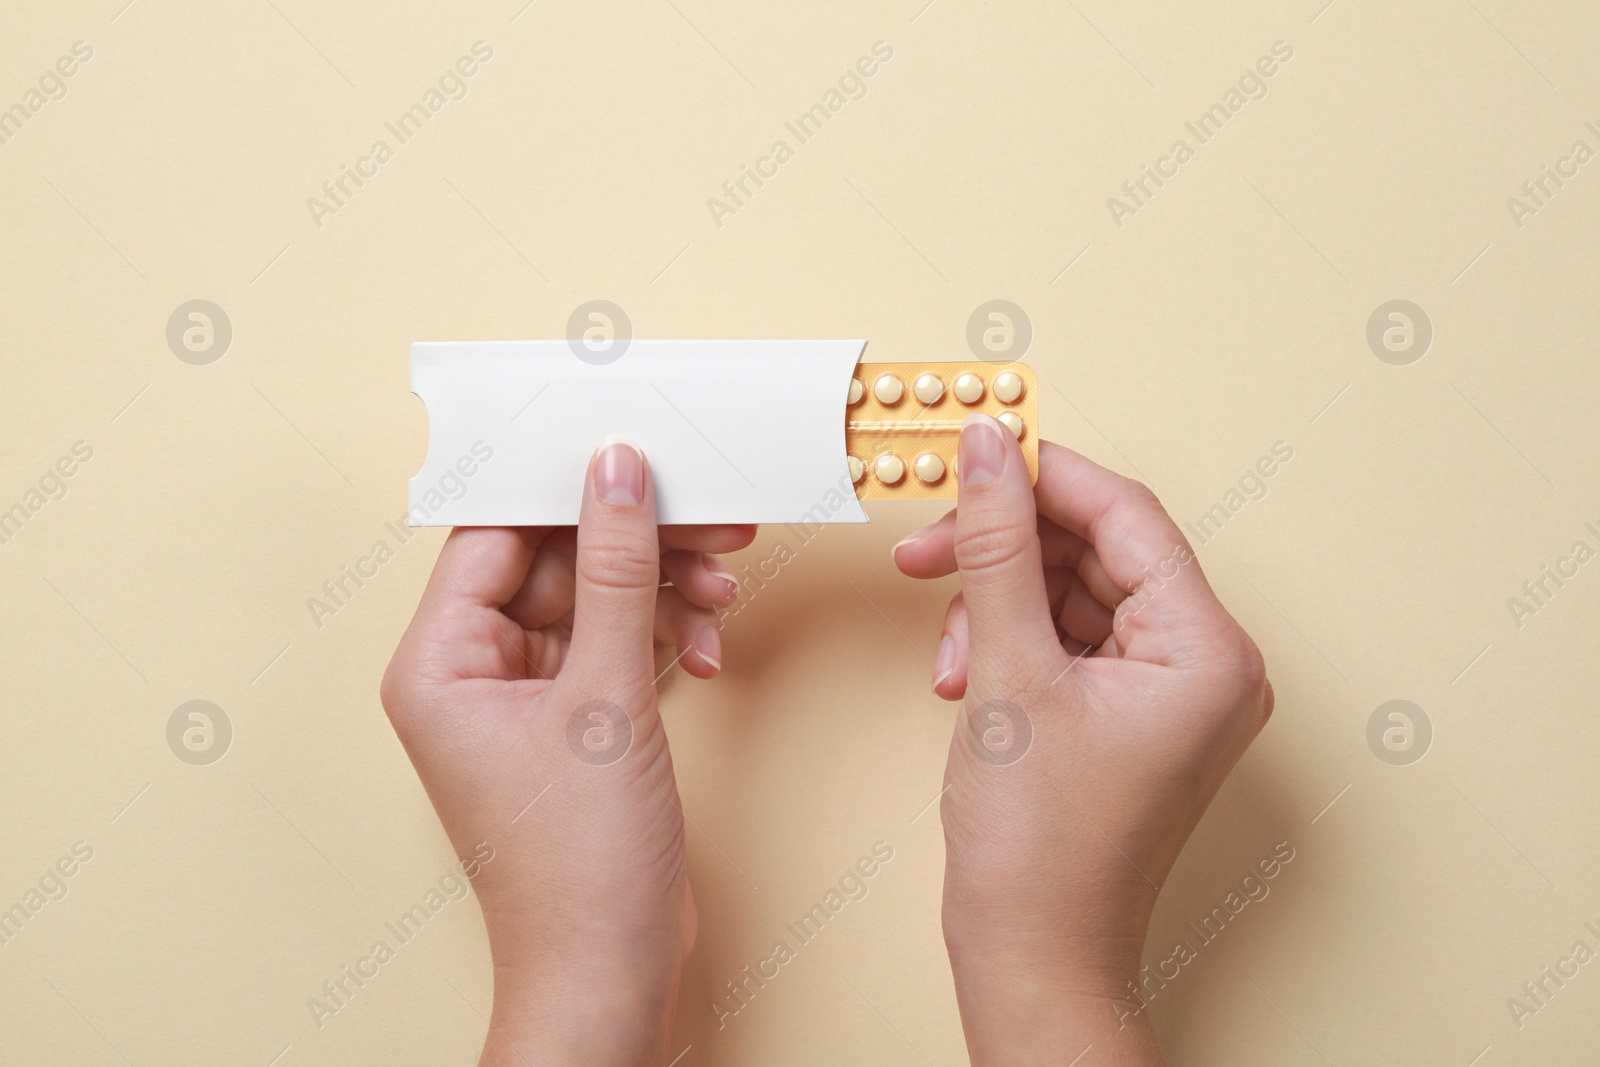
903,422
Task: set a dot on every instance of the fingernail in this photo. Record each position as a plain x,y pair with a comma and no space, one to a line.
982,450
913,537
944,662
708,646
619,472
717,571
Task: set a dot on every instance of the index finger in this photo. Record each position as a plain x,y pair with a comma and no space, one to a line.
481,565
1138,544
714,539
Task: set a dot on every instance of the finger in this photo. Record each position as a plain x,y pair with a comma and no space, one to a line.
1081,616
617,571
546,595
707,538
1168,601
929,552
1121,519
547,650
997,552
700,578
480,565
950,662
692,631
1094,575
1062,548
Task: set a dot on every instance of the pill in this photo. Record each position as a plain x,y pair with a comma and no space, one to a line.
929,468
888,389
1008,388
969,388
904,421
929,388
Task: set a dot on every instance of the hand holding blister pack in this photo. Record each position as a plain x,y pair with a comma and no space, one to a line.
735,431
1081,631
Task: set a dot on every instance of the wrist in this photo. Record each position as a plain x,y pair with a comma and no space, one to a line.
1017,1012
1093,941
598,1019
1050,991
576,984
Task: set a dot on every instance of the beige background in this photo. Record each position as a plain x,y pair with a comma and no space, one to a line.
1226,315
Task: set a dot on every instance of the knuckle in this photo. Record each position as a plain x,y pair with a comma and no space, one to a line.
1250,664
618,559
398,688
1249,667
1141,494
389,691
402,694
993,546
1133,509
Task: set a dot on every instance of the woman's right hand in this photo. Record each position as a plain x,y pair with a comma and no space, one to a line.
1106,695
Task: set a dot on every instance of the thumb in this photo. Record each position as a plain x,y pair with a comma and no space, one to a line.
618,570
997,552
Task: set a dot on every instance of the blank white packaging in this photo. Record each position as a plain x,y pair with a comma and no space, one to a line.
734,431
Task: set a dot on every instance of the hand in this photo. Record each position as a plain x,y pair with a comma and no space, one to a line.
1107,695
524,692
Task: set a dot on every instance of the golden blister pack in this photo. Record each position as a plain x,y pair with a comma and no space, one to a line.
903,422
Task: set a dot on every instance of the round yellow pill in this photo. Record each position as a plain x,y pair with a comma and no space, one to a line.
929,468
888,389
889,468
857,391
1008,388
969,388
858,470
1013,422
928,388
